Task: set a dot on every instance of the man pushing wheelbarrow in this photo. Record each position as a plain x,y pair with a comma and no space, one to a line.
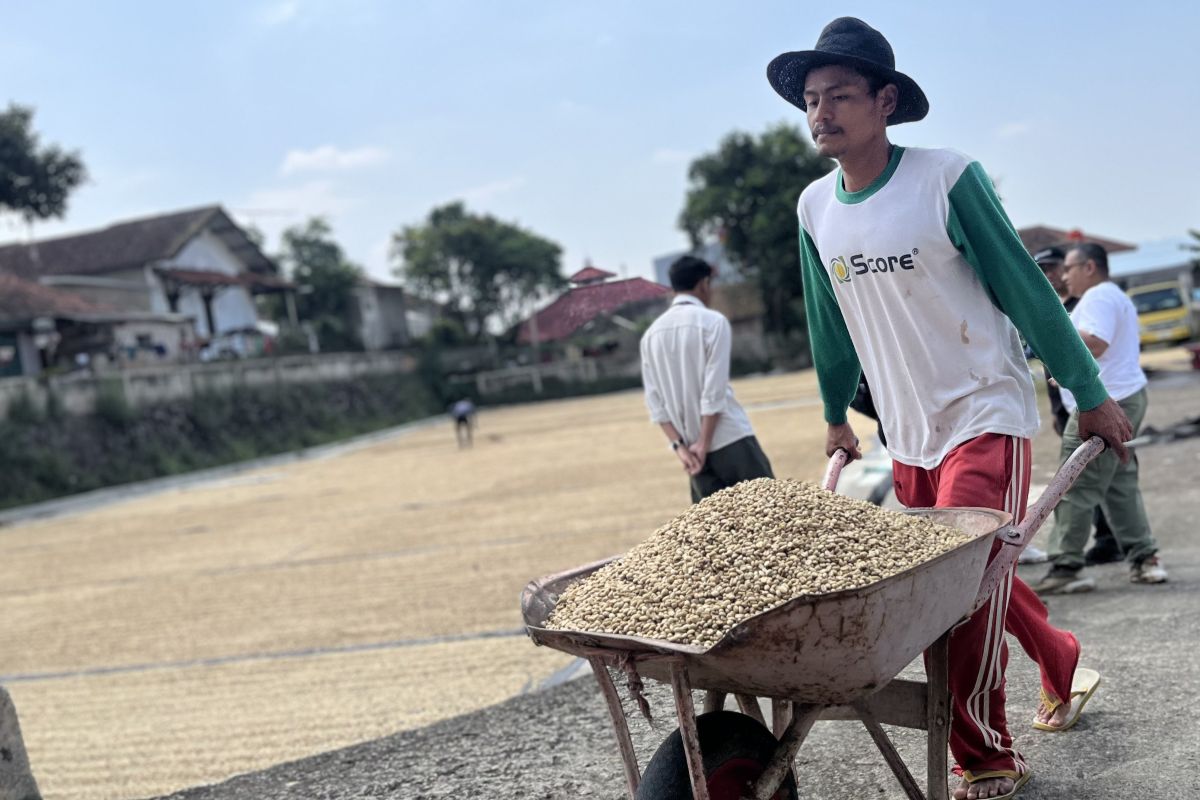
914,276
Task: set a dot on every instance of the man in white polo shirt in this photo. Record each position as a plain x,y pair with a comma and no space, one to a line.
685,372
1107,322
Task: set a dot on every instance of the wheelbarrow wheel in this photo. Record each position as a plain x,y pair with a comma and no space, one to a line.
735,748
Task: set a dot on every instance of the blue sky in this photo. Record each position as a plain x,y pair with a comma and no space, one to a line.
578,120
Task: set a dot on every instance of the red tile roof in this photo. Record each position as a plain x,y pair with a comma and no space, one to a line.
1039,237
23,300
199,277
265,281
589,274
256,282
582,304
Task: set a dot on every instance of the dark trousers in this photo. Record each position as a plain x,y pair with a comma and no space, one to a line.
741,461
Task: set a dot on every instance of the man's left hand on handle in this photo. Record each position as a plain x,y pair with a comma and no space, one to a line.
1109,422
841,437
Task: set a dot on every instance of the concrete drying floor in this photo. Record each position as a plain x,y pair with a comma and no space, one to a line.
226,625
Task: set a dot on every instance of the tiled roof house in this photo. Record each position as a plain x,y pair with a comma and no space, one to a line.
197,263
592,295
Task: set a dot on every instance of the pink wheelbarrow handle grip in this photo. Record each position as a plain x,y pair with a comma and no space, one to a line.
834,471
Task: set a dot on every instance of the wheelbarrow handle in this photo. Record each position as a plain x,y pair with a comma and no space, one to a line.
1063,480
1017,536
838,460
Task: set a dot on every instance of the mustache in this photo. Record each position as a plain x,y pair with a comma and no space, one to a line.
824,129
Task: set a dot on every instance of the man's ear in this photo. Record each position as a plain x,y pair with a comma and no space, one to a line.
889,97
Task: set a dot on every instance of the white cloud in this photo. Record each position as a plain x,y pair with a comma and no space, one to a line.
668,155
279,13
1013,129
314,197
487,191
328,158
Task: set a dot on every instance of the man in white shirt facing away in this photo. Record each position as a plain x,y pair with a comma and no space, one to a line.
685,373
1107,322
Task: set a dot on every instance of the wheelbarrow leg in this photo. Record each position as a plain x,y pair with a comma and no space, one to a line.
781,715
893,759
713,701
937,717
628,757
687,730
804,716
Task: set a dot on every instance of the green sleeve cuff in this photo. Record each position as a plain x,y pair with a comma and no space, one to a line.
833,416
1091,395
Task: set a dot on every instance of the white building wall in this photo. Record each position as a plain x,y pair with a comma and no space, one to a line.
233,306
158,295
28,353
381,316
206,251
138,340
419,322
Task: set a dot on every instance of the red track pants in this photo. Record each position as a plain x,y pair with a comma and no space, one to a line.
990,471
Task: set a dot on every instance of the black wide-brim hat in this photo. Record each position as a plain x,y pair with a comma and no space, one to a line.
853,43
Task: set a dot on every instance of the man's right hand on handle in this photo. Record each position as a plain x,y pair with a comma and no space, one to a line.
1109,422
842,436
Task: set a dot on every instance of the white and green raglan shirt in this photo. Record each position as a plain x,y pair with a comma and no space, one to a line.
918,280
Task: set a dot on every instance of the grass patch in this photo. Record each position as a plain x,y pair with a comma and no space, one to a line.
44,456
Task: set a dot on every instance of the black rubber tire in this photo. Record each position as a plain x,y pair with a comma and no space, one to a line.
724,736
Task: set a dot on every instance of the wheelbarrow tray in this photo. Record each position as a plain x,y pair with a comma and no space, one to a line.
828,649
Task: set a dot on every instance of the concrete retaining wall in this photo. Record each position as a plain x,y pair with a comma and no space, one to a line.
78,392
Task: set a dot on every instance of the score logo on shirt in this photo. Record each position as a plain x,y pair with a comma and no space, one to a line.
861,265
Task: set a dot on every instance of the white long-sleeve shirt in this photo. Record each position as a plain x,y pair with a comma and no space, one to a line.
1107,313
685,372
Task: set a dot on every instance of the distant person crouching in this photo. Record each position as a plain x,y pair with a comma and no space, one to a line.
463,413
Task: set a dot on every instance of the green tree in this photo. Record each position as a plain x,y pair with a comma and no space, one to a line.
744,195
34,180
327,282
479,267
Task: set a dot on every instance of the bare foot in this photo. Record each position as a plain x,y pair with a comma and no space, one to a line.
1056,718
988,787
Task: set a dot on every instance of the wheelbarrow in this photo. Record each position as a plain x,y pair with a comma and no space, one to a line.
832,656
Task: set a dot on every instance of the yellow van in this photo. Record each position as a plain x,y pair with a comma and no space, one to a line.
1164,314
